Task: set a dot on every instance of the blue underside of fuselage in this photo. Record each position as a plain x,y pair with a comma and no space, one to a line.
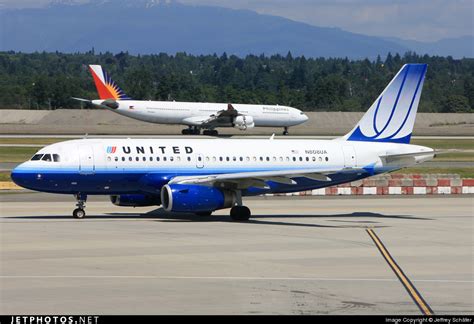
116,183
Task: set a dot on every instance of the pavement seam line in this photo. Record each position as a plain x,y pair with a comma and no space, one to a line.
410,288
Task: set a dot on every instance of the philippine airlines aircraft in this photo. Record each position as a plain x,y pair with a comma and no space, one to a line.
203,175
195,115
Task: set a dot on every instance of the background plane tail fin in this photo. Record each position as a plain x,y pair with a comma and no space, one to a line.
392,116
106,87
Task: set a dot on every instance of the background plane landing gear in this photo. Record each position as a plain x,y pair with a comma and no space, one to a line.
210,132
79,212
191,131
285,131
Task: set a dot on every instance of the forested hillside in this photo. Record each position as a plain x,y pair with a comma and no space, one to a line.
49,80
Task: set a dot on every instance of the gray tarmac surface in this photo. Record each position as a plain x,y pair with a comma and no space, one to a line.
298,255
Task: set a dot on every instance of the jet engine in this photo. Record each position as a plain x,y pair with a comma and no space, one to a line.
195,198
243,122
135,200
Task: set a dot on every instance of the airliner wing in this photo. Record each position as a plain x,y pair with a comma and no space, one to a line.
221,118
243,180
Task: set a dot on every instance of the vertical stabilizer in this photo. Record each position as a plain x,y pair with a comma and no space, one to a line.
392,116
106,87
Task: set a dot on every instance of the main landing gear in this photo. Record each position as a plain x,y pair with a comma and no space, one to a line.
285,131
210,132
191,131
240,212
81,204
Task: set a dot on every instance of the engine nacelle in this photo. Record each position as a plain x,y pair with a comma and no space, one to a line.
195,198
135,200
243,122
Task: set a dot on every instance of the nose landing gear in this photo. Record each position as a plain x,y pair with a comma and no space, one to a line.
79,212
285,131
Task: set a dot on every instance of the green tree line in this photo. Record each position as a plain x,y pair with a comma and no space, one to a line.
49,80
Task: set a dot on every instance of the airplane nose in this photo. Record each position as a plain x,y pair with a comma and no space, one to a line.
22,178
304,117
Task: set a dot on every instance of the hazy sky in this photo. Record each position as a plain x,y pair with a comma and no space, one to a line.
424,20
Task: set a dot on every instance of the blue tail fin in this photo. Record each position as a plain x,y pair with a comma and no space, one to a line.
392,116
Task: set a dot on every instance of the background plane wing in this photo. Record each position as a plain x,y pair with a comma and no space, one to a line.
222,118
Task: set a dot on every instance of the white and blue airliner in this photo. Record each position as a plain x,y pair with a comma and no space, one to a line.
203,175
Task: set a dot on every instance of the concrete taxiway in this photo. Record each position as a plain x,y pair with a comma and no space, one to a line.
298,255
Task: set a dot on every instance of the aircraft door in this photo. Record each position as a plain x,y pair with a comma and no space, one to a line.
86,159
350,159
199,161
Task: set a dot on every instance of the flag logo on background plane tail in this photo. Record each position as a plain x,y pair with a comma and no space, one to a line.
106,87
392,116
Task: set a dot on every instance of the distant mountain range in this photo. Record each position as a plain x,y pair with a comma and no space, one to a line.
150,26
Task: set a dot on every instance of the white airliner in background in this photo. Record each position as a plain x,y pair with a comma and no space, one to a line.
195,115
204,175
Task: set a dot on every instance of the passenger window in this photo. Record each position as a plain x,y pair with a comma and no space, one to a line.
123,158
116,159
46,157
56,157
314,158
130,158
151,159
144,159
268,159
164,158
301,159
171,158
137,159
36,157
109,158
227,159
220,158
178,158
199,159
307,159
157,159
327,159
189,158
294,158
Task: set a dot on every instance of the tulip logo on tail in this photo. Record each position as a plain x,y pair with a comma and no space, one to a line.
106,87
392,116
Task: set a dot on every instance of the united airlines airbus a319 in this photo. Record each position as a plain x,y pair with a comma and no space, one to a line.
195,115
203,175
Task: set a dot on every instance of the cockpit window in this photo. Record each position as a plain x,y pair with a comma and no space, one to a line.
56,157
36,157
47,158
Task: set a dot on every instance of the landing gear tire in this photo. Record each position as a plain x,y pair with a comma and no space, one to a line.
206,213
78,213
285,131
186,131
210,132
240,213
